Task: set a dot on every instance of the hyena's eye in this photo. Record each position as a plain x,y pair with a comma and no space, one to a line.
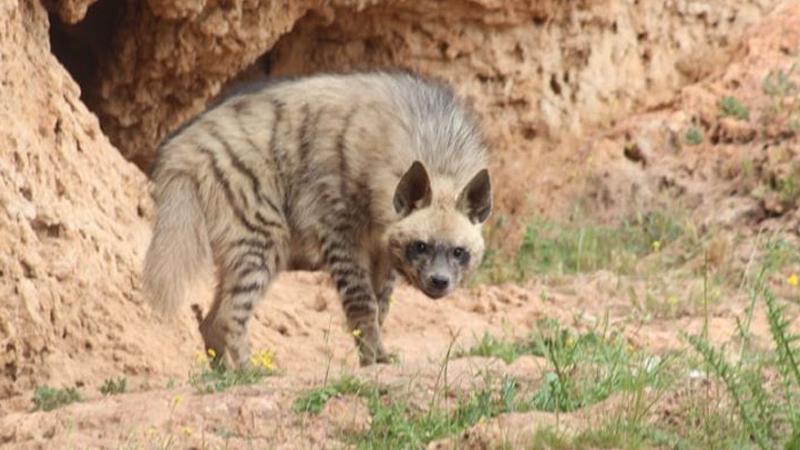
461,254
415,249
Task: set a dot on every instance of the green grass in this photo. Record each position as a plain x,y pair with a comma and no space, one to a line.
397,424
732,107
208,375
314,400
46,398
783,88
508,351
766,412
550,248
207,379
779,253
112,386
584,368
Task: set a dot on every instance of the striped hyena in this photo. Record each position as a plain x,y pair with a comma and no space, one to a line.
363,175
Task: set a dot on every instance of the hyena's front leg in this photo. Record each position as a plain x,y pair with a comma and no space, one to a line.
358,300
384,296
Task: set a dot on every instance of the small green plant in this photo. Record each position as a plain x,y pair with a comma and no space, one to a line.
207,377
693,136
46,398
732,107
113,386
313,400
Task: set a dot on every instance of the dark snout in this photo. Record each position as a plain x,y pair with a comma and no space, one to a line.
438,285
438,280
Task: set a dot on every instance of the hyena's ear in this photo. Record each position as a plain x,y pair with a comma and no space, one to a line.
475,201
413,191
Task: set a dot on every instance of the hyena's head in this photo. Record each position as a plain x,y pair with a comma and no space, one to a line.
437,241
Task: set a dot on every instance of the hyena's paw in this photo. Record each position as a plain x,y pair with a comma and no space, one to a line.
387,358
370,348
380,357
214,341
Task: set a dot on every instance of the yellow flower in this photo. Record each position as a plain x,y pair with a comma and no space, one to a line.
357,332
212,353
570,342
263,360
176,400
200,357
186,430
656,246
672,300
792,280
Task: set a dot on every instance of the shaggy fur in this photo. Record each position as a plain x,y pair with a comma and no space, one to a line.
362,175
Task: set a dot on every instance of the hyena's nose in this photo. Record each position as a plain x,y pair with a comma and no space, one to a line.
440,282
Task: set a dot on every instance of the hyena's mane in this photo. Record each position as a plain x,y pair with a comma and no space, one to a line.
443,130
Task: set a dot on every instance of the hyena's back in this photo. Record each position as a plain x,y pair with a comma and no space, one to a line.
294,175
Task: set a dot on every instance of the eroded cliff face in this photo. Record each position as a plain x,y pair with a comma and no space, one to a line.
72,225
540,73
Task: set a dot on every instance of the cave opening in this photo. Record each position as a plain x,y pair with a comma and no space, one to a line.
83,46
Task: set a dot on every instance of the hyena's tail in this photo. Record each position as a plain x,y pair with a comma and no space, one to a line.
179,248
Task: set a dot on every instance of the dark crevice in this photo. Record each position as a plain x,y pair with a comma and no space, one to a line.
82,47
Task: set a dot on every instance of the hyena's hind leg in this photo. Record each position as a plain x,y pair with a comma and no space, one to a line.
245,268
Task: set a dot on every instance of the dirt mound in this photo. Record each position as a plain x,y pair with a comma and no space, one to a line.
72,215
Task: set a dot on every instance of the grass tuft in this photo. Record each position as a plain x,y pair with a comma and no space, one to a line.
732,107
46,398
207,377
314,400
112,386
